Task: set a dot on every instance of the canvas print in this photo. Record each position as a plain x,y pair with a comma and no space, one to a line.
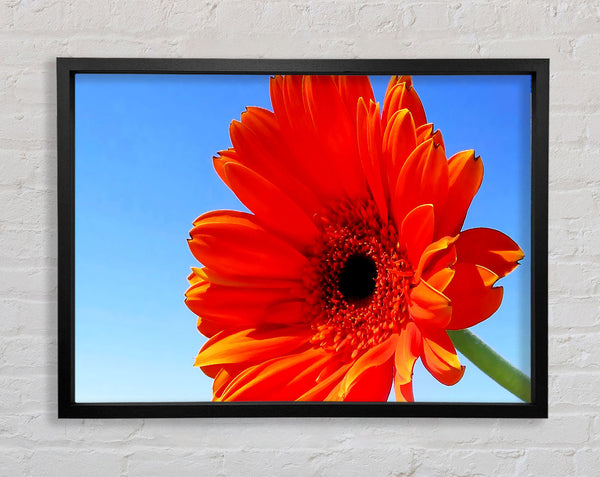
350,238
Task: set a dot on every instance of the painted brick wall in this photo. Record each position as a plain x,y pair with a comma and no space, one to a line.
32,440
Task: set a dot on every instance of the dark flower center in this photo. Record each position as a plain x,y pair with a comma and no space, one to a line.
358,278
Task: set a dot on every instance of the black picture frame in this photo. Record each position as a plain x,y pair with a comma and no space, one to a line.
67,68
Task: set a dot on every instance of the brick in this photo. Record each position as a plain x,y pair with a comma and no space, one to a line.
432,16
459,462
595,431
587,461
574,350
577,165
105,432
87,15
245,430
320,462
22,353
137,16
26,430
556,17
30,284
26,51
126,45
485,16
162,461
23,246
593,128
547,462
43,15
15,462
577,17
22,125
6,15
28,208
573,313
564,90
443,431
23,394
63,462
332,16
566,238
591,241
177,16
574,430
292,463
387,461
26,315
558,49
35,87
580,389
27,169
585,50
574,279
574,204
568,127
268,18
380,17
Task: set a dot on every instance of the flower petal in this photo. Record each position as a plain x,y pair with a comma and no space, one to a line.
219,278
336,132
489,248
324,389
352,89
407,352
222,379
239,307
274,210
251,345
283,378
473,296
376,356
439,357
258,145
422,180
436,256
369,145
399,140
232,242
404,392
441,278
298,135
429,306
465,173
424,132
372,385
208,328
416,232
401,95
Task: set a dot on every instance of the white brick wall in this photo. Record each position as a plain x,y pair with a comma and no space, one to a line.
32,440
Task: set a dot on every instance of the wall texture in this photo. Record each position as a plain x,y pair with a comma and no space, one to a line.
34,442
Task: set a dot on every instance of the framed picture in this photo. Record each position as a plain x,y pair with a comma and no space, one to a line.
302,237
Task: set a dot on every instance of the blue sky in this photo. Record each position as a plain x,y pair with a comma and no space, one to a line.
143,169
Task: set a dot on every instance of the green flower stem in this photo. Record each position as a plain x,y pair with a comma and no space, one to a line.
492,364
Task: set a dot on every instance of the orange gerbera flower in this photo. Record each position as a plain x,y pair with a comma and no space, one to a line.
353,264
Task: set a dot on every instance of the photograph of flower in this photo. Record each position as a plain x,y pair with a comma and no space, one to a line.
350,238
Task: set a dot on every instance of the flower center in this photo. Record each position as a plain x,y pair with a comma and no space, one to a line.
358,282
357,278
